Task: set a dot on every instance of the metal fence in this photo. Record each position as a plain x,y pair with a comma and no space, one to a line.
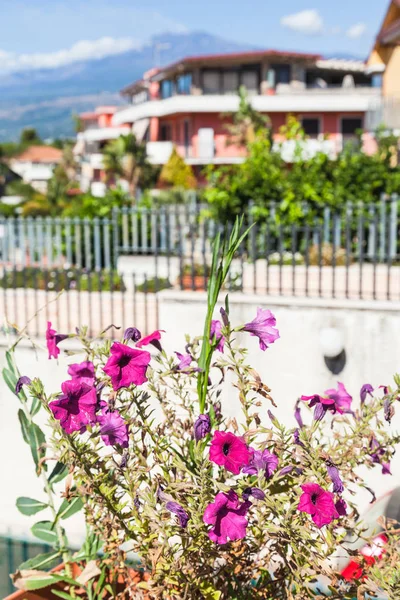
112,269
13,552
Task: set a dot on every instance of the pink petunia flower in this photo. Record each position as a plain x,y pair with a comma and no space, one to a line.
52,340
126,366
76,408
263,327
113,429
153,339
185,361
216,336
336,401
261,461
83,371
318,503
341,398
228,517
229,451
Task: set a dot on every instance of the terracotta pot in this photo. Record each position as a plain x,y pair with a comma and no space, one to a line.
47,594
189,283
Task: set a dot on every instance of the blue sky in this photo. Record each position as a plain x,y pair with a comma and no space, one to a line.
37,33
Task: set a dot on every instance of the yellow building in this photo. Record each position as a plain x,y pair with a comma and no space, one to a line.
385,55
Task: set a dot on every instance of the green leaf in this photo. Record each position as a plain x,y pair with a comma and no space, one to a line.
69,508
35,407
28,506
10,379
62,594
44,531
37,441
208,591
24,425
41,561
37,582
58,473
10,361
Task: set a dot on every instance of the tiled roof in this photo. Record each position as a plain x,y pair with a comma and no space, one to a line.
40,154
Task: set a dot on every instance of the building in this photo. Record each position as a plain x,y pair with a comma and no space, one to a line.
97,130
36,164
187,103
384,64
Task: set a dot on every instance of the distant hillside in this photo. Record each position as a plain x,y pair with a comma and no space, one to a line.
46,98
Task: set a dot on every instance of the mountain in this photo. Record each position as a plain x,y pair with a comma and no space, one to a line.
46,98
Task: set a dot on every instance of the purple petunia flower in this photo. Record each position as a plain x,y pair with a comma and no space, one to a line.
253,491
386,468
263,327
52,340
229,451
132,333
126,366
216,336
76,408
261,461
23,380
185,361
297,414
377,453
388,410
179,511
365,389
228,517
153,339
333,473
336,401
202,427
296,438
318,503
341,507
83,371
224,317
113,429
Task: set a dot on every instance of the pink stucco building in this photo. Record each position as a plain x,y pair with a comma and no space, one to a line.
187,103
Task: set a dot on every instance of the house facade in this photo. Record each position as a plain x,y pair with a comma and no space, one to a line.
384,63
189,103
36,165
97,129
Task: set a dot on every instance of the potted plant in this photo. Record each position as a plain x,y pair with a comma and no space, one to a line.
211,508
194,276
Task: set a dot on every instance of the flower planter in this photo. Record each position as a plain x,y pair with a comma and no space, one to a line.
195,283
47,593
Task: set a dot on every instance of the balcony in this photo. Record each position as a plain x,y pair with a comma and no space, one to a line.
158,153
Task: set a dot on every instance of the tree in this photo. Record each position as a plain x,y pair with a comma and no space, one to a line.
127,158
176,173
247,122
29,136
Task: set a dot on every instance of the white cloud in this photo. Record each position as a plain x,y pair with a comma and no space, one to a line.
308,22
356,31
83,50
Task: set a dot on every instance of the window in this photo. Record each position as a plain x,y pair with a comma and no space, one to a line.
311,126
184,83
165,132
350,125
211,82
230,82
283,73
186,136
167,88
250,80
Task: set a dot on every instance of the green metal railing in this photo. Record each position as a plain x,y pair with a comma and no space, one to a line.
13,552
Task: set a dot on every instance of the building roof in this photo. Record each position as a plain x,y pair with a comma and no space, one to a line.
246,56
342,64
40,154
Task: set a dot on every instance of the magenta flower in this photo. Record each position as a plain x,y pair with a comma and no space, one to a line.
318,503
229,451
202,427
179,511
153,339
216,336
83,371
23,380
184,361
126,366
228,517
113,429
335,401
341,507
76,408
366,389
261,461
52,340
341,398
263,327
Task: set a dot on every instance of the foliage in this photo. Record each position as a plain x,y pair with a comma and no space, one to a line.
86,205
29,136
247,122
126,158
320,181
151,483
58,280
176,173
